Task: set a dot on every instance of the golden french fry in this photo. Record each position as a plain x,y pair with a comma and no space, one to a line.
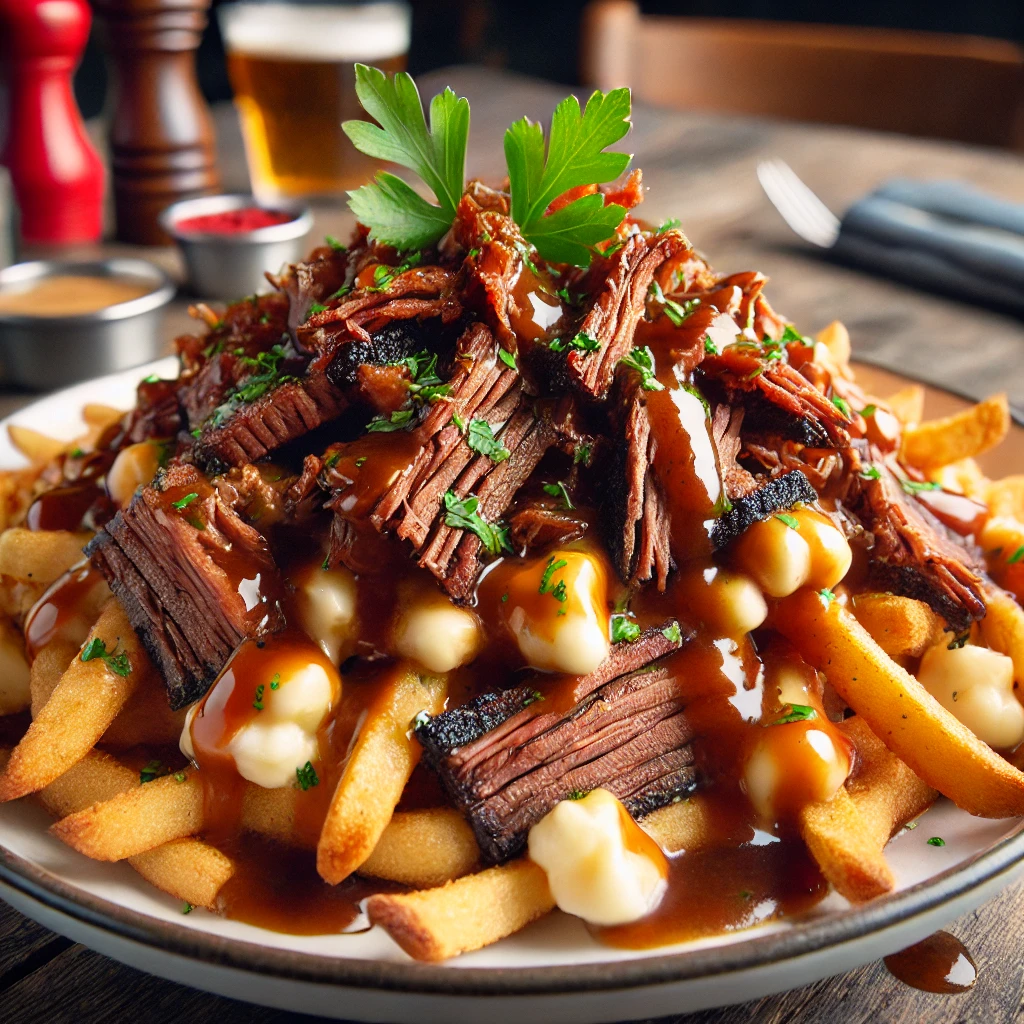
847,834
15,692
912,723
907,404
424,848
37,448
466,914
836,339
1005,497
901,626
97,415
136,820
686,825
146,719
50,663
963,477
40,556
939,442
82,706
378,768
1002,629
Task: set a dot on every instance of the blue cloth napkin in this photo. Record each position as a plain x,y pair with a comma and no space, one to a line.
942,235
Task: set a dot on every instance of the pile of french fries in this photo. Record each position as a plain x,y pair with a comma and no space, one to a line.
84,715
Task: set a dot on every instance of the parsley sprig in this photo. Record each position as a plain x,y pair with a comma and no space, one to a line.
117,661
462,514
393,211
481,439
641,359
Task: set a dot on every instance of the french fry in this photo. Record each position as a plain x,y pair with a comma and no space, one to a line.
911,722
836,340
50,663
424,849
901,626
80,709
1005,497
37,448
98,415
687,825
40,556
15,691
964,435
136,820
847,834
1002,629
963,477
187,869
466,914
907,404
378,768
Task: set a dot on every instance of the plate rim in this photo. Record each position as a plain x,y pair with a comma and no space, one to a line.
751,952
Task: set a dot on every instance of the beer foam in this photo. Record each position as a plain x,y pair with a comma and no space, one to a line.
308,32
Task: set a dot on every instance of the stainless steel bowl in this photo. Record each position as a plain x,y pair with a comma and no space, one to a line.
231,266
47,352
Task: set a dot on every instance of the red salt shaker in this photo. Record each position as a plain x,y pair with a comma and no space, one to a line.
56,172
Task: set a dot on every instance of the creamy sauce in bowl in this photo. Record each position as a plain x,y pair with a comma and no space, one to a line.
69,295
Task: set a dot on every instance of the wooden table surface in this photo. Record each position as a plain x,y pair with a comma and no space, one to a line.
701,169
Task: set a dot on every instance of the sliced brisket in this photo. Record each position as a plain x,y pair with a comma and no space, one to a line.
194,581
774,495
506,761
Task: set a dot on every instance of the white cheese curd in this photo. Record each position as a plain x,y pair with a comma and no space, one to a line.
134,467
975,684
268,753
185,743
831,555
436,633
558,613
600,865
728,602
326,604
15,695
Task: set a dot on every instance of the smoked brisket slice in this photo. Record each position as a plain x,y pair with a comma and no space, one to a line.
194,581
771,497
506,761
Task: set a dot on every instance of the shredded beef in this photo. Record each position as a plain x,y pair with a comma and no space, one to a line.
536,527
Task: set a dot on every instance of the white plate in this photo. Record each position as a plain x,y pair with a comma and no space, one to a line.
553,969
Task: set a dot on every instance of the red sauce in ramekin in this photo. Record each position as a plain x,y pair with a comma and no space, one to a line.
233,222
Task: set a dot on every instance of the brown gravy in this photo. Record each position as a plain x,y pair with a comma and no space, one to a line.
940,963
69,295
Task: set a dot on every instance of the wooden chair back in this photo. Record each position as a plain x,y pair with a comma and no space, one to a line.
918,83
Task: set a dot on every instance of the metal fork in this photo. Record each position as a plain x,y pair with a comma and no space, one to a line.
801,209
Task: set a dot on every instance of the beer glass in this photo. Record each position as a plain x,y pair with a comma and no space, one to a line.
292,71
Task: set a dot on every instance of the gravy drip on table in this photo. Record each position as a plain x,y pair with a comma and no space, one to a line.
940,963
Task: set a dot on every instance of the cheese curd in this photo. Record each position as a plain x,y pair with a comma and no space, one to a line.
436,633
975,684
185,742
793,549
134,467
14,674
600,864
730,603
326,603
557,610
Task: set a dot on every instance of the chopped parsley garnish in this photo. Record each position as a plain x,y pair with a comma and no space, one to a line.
575,155
179,776
187,908
383,274
332,460
575,794
581,454
462,514
791,521
117,661
559,490
871,473
557,590
307,776
275,681
827,597
675,311
842,405
792,334
568,297
258,702
153,770
624,629
459,422
533,698
795,713
361,461
507,358
196,432
316,307
869,410
268,375
673,633
151,379
334,243
426,386
668,225
582,341
709,346
641,359
481,439
1016,556
187,500
910,826
958,641
400,419
917,486
76,452
936,841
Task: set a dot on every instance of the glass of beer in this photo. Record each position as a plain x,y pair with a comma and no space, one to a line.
292,71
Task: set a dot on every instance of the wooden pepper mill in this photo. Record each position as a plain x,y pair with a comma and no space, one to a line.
161,137
55,171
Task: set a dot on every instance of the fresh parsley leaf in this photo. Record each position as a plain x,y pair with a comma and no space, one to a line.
316,307
869,410
791,334
117,661
709,346
334,243
791,521
151,379
507,358
533,698
581,454
827,596
400,419
675,311
842,405
462,514
307,776
258,702
393,211
153,770
481,439
624,629
558,490
871,473
959,641
673,633
936,841
796,713
275,681
584,342
575,156
459,422
641,359
187,908
187,500
668,225
1016,556
917,486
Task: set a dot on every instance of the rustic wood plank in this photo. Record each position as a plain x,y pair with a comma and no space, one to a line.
24,945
